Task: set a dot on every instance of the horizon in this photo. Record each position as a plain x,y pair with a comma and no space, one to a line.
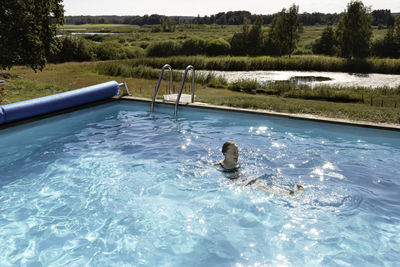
209,7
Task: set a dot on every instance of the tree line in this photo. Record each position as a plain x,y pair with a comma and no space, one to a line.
350,37
380,17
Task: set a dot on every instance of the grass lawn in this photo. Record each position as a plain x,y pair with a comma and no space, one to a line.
63,77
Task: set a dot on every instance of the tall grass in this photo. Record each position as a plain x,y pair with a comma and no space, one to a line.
301,63
383,96
294,105
145,72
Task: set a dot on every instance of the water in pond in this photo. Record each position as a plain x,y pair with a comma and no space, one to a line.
314,78
114,185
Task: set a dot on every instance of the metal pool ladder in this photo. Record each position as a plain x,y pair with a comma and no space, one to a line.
126,88
166,66
190,67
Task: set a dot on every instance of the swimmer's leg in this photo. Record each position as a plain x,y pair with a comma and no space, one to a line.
261,185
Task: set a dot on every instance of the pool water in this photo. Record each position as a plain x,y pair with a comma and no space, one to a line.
114,185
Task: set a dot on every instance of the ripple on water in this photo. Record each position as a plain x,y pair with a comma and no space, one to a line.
142,191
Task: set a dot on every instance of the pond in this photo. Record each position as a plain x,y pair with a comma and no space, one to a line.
314,78
87,33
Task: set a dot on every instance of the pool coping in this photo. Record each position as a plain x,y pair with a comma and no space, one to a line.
298,116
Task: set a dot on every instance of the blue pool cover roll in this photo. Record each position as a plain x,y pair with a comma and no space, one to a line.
47,104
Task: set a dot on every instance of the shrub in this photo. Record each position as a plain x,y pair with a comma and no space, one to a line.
193,46
95,37
242,85
134,52
217,47
164,49
72,48
110,50
214,81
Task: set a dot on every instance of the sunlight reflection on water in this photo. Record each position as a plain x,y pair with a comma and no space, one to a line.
340,79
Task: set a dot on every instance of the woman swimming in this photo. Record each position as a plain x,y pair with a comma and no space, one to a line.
230,166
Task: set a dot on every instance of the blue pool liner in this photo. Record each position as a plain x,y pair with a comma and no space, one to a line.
47,104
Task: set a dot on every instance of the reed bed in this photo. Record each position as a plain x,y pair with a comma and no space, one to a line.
383,96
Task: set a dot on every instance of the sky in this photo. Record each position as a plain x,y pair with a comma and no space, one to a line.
210,7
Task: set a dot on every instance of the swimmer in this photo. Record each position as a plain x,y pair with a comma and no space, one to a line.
230,165
231,153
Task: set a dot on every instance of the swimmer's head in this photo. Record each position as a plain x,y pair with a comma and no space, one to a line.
231,152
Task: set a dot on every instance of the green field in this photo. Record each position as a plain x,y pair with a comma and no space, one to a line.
142,36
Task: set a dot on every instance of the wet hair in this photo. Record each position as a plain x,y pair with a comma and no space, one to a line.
226,145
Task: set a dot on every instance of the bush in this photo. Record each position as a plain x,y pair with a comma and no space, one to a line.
214,81
193,46
95,37
242,85
134,52
110,50
72,48
164,49
211,80
217,47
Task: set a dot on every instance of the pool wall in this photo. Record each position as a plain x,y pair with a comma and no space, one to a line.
48,104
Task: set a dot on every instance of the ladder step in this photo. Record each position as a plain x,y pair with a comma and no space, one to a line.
185,98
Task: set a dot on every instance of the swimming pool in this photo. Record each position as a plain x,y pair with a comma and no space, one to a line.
114,185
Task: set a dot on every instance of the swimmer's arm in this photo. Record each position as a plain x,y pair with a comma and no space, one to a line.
217,163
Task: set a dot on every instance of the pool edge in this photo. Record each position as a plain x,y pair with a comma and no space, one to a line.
298,116
309,117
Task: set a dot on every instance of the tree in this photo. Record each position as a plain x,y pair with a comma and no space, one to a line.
255,37
382,17
285,31
73,49
326,44
27,31
167,24
390,45
354,30
239,41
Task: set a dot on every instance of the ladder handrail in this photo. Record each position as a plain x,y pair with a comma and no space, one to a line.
190,67
126,88
166,66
